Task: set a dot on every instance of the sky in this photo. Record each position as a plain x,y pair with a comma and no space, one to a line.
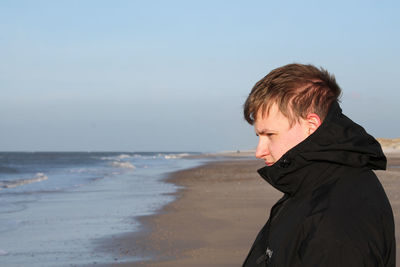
173,75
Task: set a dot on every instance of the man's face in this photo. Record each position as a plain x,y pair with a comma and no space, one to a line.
275,136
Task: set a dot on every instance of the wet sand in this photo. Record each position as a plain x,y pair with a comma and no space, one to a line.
216,216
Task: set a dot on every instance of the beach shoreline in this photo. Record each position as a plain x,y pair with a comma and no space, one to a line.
219,208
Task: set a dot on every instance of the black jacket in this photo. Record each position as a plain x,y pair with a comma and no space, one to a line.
334,211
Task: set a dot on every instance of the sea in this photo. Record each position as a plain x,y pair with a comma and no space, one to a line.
56,206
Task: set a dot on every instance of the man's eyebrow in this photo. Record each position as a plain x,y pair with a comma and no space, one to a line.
265,131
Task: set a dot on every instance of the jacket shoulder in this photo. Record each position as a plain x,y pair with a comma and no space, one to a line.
350,215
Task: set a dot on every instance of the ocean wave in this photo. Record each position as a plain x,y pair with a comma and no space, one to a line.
11,184
81,170
107,158
8,170
174,156
124,156
122,164
119,157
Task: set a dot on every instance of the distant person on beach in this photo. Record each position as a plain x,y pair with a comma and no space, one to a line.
334,211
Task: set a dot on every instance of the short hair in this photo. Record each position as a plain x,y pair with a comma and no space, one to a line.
297,89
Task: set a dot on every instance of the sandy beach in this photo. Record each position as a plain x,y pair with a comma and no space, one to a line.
218,212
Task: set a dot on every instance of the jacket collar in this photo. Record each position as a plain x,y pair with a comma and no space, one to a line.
338,140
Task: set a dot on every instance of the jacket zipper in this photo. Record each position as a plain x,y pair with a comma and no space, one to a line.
268,252
265,257
273,215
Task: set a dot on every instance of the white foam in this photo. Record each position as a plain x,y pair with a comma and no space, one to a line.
82,170
107,158
119,157
124,156
122,164
176,156
11,184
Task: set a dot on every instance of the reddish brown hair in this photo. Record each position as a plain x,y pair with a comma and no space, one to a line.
297,90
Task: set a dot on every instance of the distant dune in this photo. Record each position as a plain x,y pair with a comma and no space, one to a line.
390,145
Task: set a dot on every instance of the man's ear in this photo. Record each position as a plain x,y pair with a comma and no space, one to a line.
313,122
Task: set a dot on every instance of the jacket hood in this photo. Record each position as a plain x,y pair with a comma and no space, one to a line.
337,140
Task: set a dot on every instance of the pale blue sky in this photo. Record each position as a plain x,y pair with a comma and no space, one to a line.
173,75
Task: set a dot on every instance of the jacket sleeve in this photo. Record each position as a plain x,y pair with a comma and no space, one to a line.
333,253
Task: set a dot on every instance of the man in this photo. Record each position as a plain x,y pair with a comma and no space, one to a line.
334,211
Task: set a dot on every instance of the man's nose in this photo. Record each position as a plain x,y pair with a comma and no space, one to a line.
262,148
